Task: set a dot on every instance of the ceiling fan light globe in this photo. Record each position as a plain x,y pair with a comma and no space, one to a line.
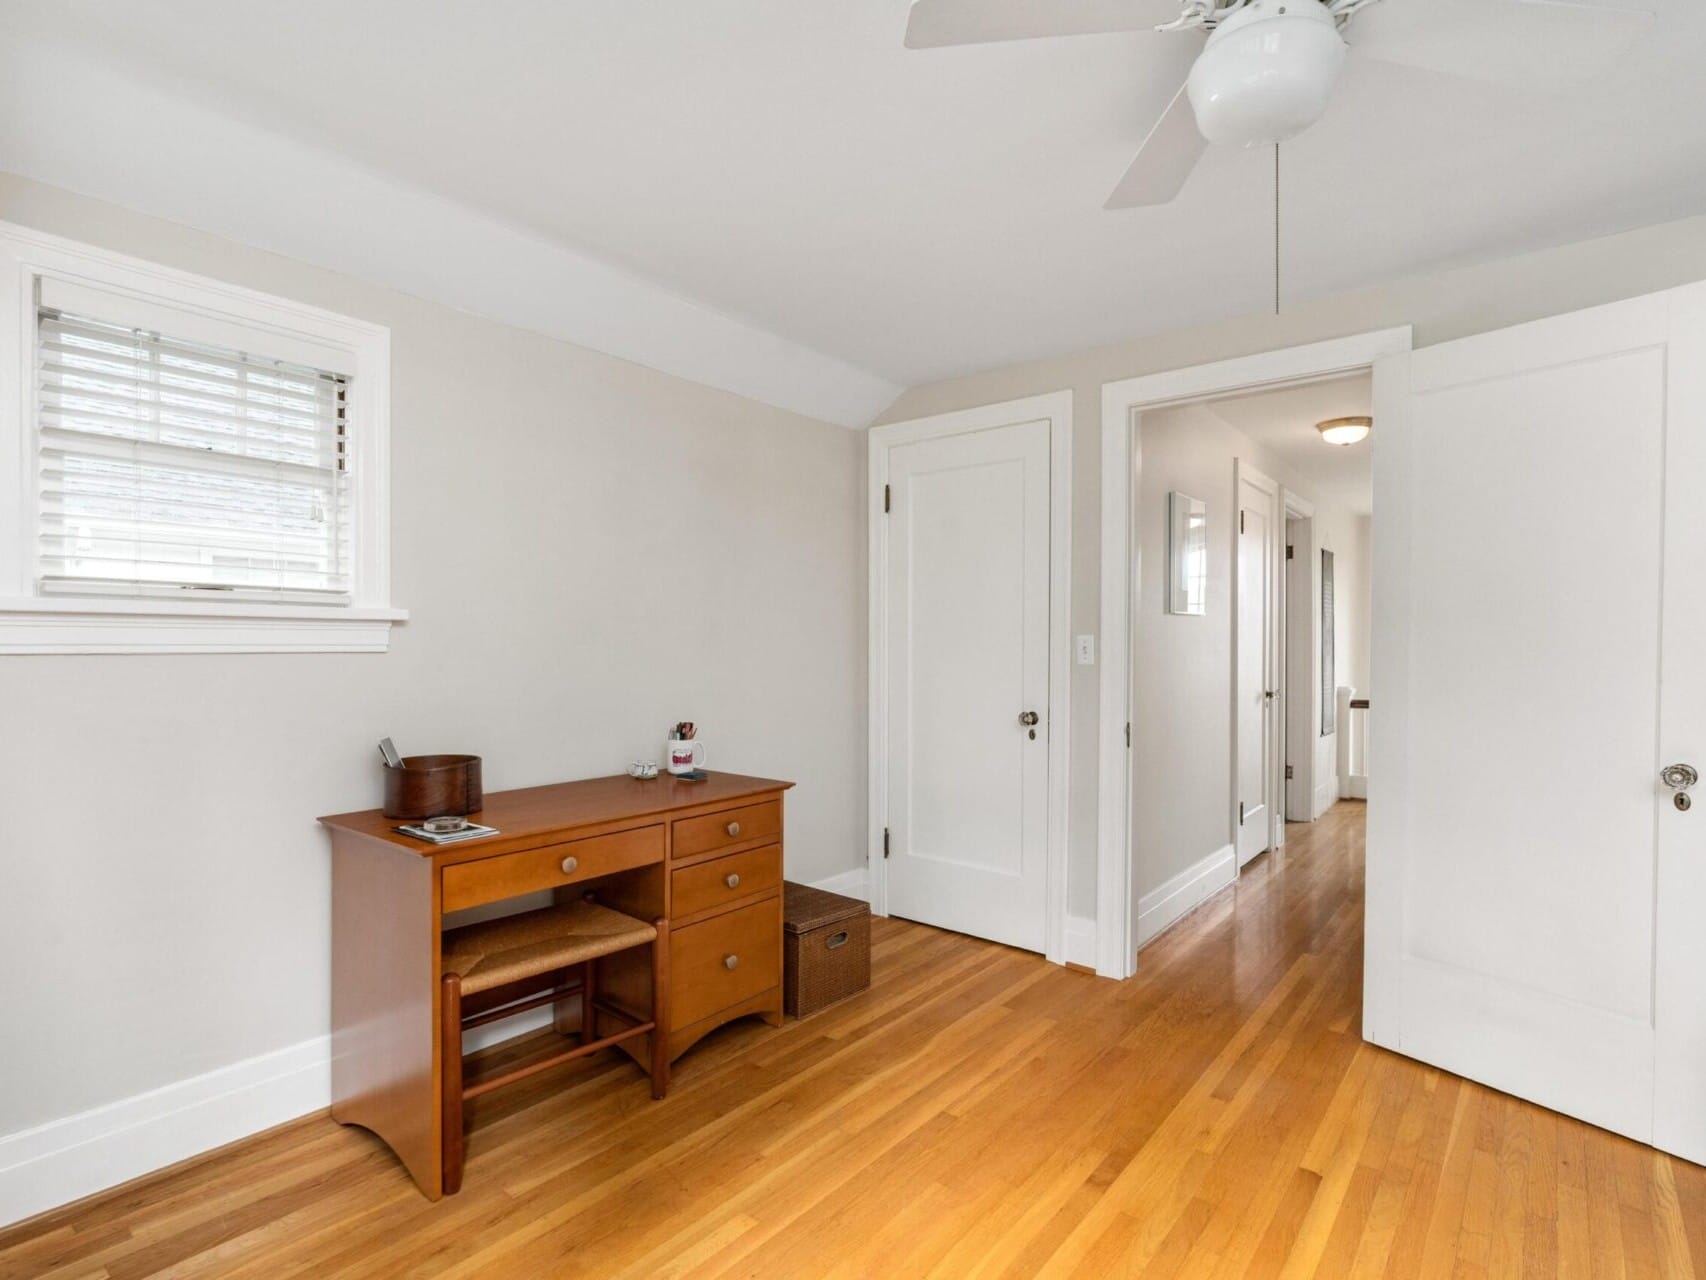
1267,74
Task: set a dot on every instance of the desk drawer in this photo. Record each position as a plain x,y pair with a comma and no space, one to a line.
700,978
747,825
468,884
710,884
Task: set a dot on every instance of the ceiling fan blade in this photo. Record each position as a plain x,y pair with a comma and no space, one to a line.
934,23
1527,44
1165,159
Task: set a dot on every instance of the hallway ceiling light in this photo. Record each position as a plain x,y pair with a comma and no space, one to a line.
1345,430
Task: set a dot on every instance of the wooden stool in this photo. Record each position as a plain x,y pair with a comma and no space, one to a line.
515,954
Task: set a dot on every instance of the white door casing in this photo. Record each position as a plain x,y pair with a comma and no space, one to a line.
969,632
1123,403
1534,899
1255,677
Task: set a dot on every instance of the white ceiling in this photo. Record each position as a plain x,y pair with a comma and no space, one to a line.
1283,423
905,215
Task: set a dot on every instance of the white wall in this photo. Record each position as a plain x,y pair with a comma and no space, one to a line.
590,550
1440,305
1182,668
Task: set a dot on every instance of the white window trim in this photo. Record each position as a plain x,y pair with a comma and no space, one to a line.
31,622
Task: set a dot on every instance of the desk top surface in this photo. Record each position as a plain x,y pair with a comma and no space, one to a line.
535,811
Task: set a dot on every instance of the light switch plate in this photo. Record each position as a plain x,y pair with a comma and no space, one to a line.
1086,651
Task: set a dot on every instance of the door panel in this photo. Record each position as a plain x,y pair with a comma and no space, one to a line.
1679,985
1545,528
1538,641
968,626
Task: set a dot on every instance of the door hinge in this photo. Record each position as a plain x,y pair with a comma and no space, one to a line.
885,499
1240,522
1288,773
1288,550
885,842
1128,735
1240,813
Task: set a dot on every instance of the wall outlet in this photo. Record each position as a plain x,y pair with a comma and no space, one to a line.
1086,651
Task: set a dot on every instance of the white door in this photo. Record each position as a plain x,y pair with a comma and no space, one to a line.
1537,902
967,623
1255,686
1300,724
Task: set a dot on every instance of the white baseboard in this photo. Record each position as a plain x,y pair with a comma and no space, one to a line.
1165,904
1326,795
67,1159
1354,787
1081,941
849,883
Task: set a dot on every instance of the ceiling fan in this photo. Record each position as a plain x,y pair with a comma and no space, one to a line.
1256,72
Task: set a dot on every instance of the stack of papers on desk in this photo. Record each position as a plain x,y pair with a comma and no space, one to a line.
473,831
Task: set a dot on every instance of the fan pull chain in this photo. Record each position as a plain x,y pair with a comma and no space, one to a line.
1276,230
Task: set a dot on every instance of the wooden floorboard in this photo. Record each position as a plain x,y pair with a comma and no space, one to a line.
978,1113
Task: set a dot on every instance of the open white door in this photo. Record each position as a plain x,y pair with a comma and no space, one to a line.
1536,899
1301,719
1255,685
966,638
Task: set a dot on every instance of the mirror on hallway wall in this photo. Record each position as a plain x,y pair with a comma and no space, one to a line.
1187,555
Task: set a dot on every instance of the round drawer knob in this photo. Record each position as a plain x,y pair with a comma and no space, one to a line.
569,865
730,962
732,880
733,828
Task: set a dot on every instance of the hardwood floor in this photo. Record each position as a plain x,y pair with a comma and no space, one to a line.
979,1112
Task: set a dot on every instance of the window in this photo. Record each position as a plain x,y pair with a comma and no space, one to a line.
201,467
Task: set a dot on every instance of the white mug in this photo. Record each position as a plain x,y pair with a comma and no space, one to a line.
684,755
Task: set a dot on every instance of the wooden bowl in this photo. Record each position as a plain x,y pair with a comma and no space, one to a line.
433,786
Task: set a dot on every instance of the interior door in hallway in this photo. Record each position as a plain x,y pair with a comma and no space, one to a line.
1255,683
1537,895
967,639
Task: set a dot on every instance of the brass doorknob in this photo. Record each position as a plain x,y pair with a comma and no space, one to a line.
1028,719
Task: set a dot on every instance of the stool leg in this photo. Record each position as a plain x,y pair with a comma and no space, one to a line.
660,1010
589,992
450,1072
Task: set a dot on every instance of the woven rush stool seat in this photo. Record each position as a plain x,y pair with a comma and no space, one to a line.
499,962
494,952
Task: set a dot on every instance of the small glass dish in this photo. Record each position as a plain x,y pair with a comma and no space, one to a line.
643,769
445,826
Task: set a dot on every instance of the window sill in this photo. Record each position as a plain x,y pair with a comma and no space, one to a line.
64,625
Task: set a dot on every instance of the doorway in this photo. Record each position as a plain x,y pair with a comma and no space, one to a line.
1132,902
969,668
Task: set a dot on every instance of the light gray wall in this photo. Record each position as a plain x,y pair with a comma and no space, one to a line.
1441,305
590,551
1182,672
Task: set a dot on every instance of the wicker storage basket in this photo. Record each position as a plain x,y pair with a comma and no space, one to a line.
826,944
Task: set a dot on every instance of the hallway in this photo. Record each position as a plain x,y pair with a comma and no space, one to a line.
978,1112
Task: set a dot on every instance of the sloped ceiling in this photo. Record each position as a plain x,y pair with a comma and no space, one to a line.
775,196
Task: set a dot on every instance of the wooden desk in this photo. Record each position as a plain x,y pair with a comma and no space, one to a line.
707,855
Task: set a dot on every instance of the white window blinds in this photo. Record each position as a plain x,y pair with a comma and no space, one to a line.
170,466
